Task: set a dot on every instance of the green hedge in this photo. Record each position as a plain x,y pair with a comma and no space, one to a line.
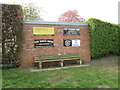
12,26
104,38
8,66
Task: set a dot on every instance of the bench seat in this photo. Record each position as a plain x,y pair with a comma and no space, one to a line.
57,57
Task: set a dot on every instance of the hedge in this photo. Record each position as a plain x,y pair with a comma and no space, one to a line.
104,38
8,66
12,26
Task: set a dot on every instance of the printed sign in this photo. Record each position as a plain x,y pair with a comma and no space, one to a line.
43,30
43,43
72,31
76,42
67,42
71,42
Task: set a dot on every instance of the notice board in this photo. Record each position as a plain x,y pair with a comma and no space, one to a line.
43,43
43,31
71,31
71,42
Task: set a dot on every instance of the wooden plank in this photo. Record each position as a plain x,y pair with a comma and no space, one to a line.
47,60
71,54
56,60
70,57
63,58
41,58
47,57
54,55
57,55
50,60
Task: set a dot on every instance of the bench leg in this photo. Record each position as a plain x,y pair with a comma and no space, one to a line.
62,63
80,61
40,65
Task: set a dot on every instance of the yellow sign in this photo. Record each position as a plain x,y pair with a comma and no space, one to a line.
43,30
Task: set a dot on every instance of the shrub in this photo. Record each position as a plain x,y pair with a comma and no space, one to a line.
104,38
12,26
8,66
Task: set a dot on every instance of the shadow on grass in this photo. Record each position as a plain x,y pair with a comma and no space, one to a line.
109,62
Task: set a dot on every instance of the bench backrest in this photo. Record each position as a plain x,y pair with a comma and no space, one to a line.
57,56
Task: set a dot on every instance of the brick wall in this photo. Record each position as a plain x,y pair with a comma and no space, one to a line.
28,51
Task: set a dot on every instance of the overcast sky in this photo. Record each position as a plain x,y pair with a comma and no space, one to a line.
106,10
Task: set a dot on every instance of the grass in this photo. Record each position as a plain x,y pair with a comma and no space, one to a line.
109,62
79,77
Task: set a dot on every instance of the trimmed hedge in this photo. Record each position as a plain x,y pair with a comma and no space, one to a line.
8,66
104,38
12,26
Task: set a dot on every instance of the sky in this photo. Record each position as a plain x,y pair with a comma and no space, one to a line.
106,10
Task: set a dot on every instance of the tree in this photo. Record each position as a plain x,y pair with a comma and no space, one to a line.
70,16
31,12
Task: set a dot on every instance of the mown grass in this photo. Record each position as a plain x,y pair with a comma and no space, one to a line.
79,77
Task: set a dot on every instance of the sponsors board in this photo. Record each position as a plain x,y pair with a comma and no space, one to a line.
43,43
71,42
71,31
43,31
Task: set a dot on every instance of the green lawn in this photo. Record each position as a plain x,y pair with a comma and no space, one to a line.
82,77
79,77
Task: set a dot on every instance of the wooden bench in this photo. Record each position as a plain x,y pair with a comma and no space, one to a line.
57,57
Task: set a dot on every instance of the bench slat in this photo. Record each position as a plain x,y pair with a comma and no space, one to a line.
57,60
58,55
71,57
39,58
